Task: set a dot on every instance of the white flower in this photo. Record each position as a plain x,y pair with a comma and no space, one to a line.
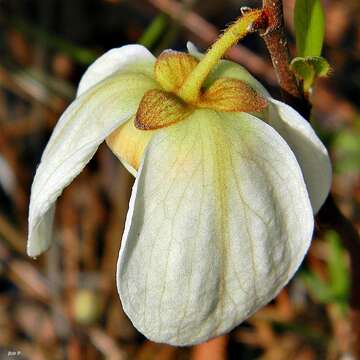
221,212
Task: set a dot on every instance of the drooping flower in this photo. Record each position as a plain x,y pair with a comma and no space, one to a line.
227,180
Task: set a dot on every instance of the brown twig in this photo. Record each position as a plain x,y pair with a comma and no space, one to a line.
276,43
329,216
275,40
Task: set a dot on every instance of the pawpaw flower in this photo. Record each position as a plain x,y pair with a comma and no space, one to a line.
227,181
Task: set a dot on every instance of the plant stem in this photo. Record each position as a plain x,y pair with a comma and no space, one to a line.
330,215
276,43
191,88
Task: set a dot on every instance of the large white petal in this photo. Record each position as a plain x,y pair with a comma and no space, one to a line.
77,135
307,147
219,221
129,58
309,150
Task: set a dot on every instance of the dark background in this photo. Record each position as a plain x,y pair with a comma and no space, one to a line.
64,305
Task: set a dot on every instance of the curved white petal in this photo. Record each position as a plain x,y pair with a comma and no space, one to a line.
126,58
307,147
77,135
219,221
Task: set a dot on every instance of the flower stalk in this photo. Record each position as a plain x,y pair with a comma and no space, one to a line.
190,90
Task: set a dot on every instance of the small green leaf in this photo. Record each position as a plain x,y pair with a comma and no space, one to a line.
309,22
307,69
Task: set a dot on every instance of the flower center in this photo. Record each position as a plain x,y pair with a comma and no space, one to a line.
182,77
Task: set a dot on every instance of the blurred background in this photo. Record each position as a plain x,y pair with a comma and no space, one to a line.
64,305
